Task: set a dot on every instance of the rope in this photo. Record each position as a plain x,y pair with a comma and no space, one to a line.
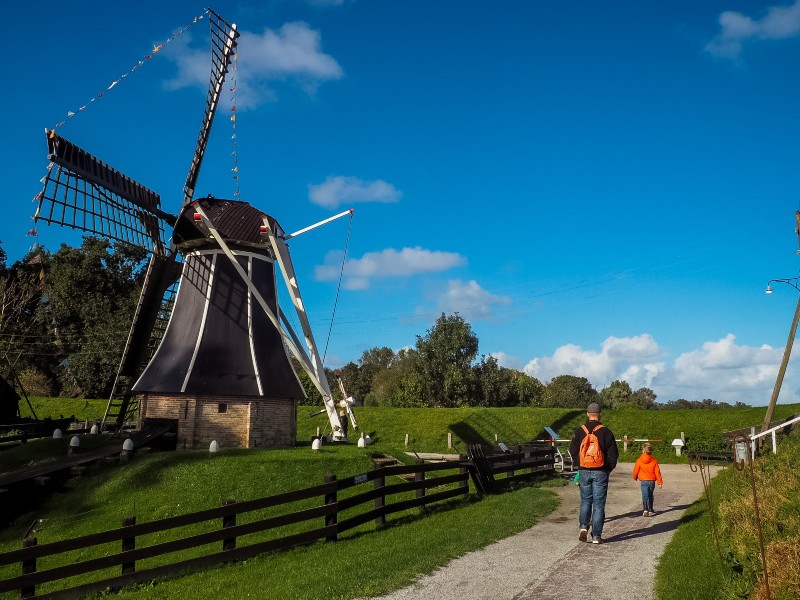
338,287
156,49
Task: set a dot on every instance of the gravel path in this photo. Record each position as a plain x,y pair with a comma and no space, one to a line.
548,562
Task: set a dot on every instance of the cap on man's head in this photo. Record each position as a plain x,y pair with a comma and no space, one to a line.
593,408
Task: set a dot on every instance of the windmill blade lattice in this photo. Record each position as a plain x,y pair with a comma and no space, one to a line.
83,192
223,47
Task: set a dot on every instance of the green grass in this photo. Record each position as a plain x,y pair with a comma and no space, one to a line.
428,428
362,562
163,485
56,408
691,567
366,564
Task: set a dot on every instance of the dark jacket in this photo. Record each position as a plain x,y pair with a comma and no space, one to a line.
607,442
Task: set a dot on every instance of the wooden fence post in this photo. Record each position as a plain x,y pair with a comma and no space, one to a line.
378,483
625,442
463,470
419,477
330,498
229,521
28,567
129,543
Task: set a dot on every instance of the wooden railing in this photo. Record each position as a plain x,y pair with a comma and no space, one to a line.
327,516
321,509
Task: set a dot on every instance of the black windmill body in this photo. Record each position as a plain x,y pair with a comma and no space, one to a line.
221,370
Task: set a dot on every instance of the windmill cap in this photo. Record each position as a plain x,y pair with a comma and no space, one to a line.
593,408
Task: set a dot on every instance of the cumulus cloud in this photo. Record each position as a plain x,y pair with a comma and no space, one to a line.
638,357
509,361
721,370
469,299
387,263
780,22
291,53
335,191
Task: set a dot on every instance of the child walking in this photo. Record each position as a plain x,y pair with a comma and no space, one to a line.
648,473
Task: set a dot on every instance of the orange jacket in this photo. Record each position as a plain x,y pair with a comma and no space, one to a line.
646,469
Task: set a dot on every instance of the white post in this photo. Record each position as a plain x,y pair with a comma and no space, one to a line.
406,439
449,440
774,443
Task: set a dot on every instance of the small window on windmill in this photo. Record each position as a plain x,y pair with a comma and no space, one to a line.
222,407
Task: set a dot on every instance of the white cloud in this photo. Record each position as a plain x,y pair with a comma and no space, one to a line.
469,299
291,53
780,22
721,370
637,357
509,361
335,191
387,263
617,355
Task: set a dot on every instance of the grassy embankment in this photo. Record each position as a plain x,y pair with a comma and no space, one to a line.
692,569
362,563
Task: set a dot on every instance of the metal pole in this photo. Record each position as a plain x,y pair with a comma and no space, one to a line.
315,225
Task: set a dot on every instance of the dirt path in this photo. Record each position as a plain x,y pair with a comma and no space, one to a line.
548,562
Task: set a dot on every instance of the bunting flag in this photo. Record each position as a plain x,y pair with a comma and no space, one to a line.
156,49
235,153
33,232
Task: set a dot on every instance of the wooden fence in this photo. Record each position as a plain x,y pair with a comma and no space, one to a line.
327,517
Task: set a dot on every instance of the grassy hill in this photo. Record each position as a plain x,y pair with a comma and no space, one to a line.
691,567
427,428
362,563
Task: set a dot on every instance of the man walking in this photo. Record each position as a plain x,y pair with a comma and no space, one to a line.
598,457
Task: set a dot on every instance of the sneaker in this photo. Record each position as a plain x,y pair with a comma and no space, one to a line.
583,535
645,514
652,513
596,539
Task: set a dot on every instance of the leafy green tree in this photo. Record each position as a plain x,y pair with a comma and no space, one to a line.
401,385
93,292
372,362
617,395
24,337
569,391
528,389
645,398
446,354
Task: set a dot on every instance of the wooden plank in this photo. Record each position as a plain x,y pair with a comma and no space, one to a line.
130,556
387,509
194,564
114,535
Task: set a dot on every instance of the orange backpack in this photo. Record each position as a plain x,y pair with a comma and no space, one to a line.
591,455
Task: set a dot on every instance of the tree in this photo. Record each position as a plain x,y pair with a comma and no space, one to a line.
23,317
372,362
93,292
401,385
446,354
569,391
617,395
645,398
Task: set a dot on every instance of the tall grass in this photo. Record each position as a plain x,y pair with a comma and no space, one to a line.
691,567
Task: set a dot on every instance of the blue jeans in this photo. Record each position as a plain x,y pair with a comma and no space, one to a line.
594,489
647,494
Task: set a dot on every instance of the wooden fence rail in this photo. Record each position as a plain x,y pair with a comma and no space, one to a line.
229,534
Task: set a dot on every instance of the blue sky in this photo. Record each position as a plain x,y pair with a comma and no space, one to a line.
600,189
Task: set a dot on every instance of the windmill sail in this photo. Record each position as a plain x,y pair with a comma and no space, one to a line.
83,192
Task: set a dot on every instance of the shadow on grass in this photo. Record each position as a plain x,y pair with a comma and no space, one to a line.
566,418
468,434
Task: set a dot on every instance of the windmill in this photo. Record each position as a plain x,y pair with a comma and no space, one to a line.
209,344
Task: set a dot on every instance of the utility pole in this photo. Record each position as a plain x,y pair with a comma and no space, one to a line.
787,351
